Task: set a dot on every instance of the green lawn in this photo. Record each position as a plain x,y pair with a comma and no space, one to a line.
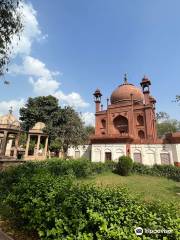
149,187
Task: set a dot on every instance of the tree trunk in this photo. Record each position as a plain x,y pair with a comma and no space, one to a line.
65,151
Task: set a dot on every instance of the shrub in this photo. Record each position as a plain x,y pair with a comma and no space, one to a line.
169,171
79,167
99,167
56,167
141,169
57,209
42,197
124,165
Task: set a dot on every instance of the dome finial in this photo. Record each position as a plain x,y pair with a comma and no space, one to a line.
11,110
125,78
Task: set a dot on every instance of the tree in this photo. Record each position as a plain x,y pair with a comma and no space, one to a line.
63,125
55,145
165,124
178,98
23,139
38,109
161,116
10,25
67,129
89,130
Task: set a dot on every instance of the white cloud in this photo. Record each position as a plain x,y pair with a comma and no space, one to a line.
44,82
31,31
15,104
88,118
44,86
40,77
72,99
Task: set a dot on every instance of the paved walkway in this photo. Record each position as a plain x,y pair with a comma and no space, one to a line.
3,236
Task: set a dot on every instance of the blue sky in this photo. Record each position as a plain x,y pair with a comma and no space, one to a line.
69,48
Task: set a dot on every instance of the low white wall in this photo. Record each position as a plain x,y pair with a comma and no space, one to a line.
177,150
150,154
80,151
99,150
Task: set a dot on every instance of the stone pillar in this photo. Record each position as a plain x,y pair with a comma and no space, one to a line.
38,145
4,143
16,145
46,147
27,145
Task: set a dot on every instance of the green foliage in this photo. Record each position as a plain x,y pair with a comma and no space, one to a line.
38,109
168,126
165,124
67,125
79,168
63,125
32,145
169,171
99,167
41,197
10,25
56,167
55,145
124,165
89,130
162,116
23,139
57,209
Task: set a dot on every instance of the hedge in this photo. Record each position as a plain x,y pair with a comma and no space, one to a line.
169,171
56,208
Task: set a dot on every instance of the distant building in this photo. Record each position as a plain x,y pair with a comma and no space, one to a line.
128,127
130,116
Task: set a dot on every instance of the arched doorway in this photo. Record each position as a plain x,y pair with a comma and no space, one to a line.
121,124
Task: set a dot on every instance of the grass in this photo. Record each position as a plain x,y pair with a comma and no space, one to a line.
148,187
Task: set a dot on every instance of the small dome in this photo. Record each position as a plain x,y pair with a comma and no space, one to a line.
38,127
123,93
9,120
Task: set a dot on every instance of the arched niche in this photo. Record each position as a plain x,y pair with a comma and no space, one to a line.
141,134
137,156
97,154
103,122
77,154
140,120
121,124
108,155
165,157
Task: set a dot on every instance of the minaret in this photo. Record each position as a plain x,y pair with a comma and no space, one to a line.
97,99
151,131
145,87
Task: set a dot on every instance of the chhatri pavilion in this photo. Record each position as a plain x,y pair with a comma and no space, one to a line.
11,151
